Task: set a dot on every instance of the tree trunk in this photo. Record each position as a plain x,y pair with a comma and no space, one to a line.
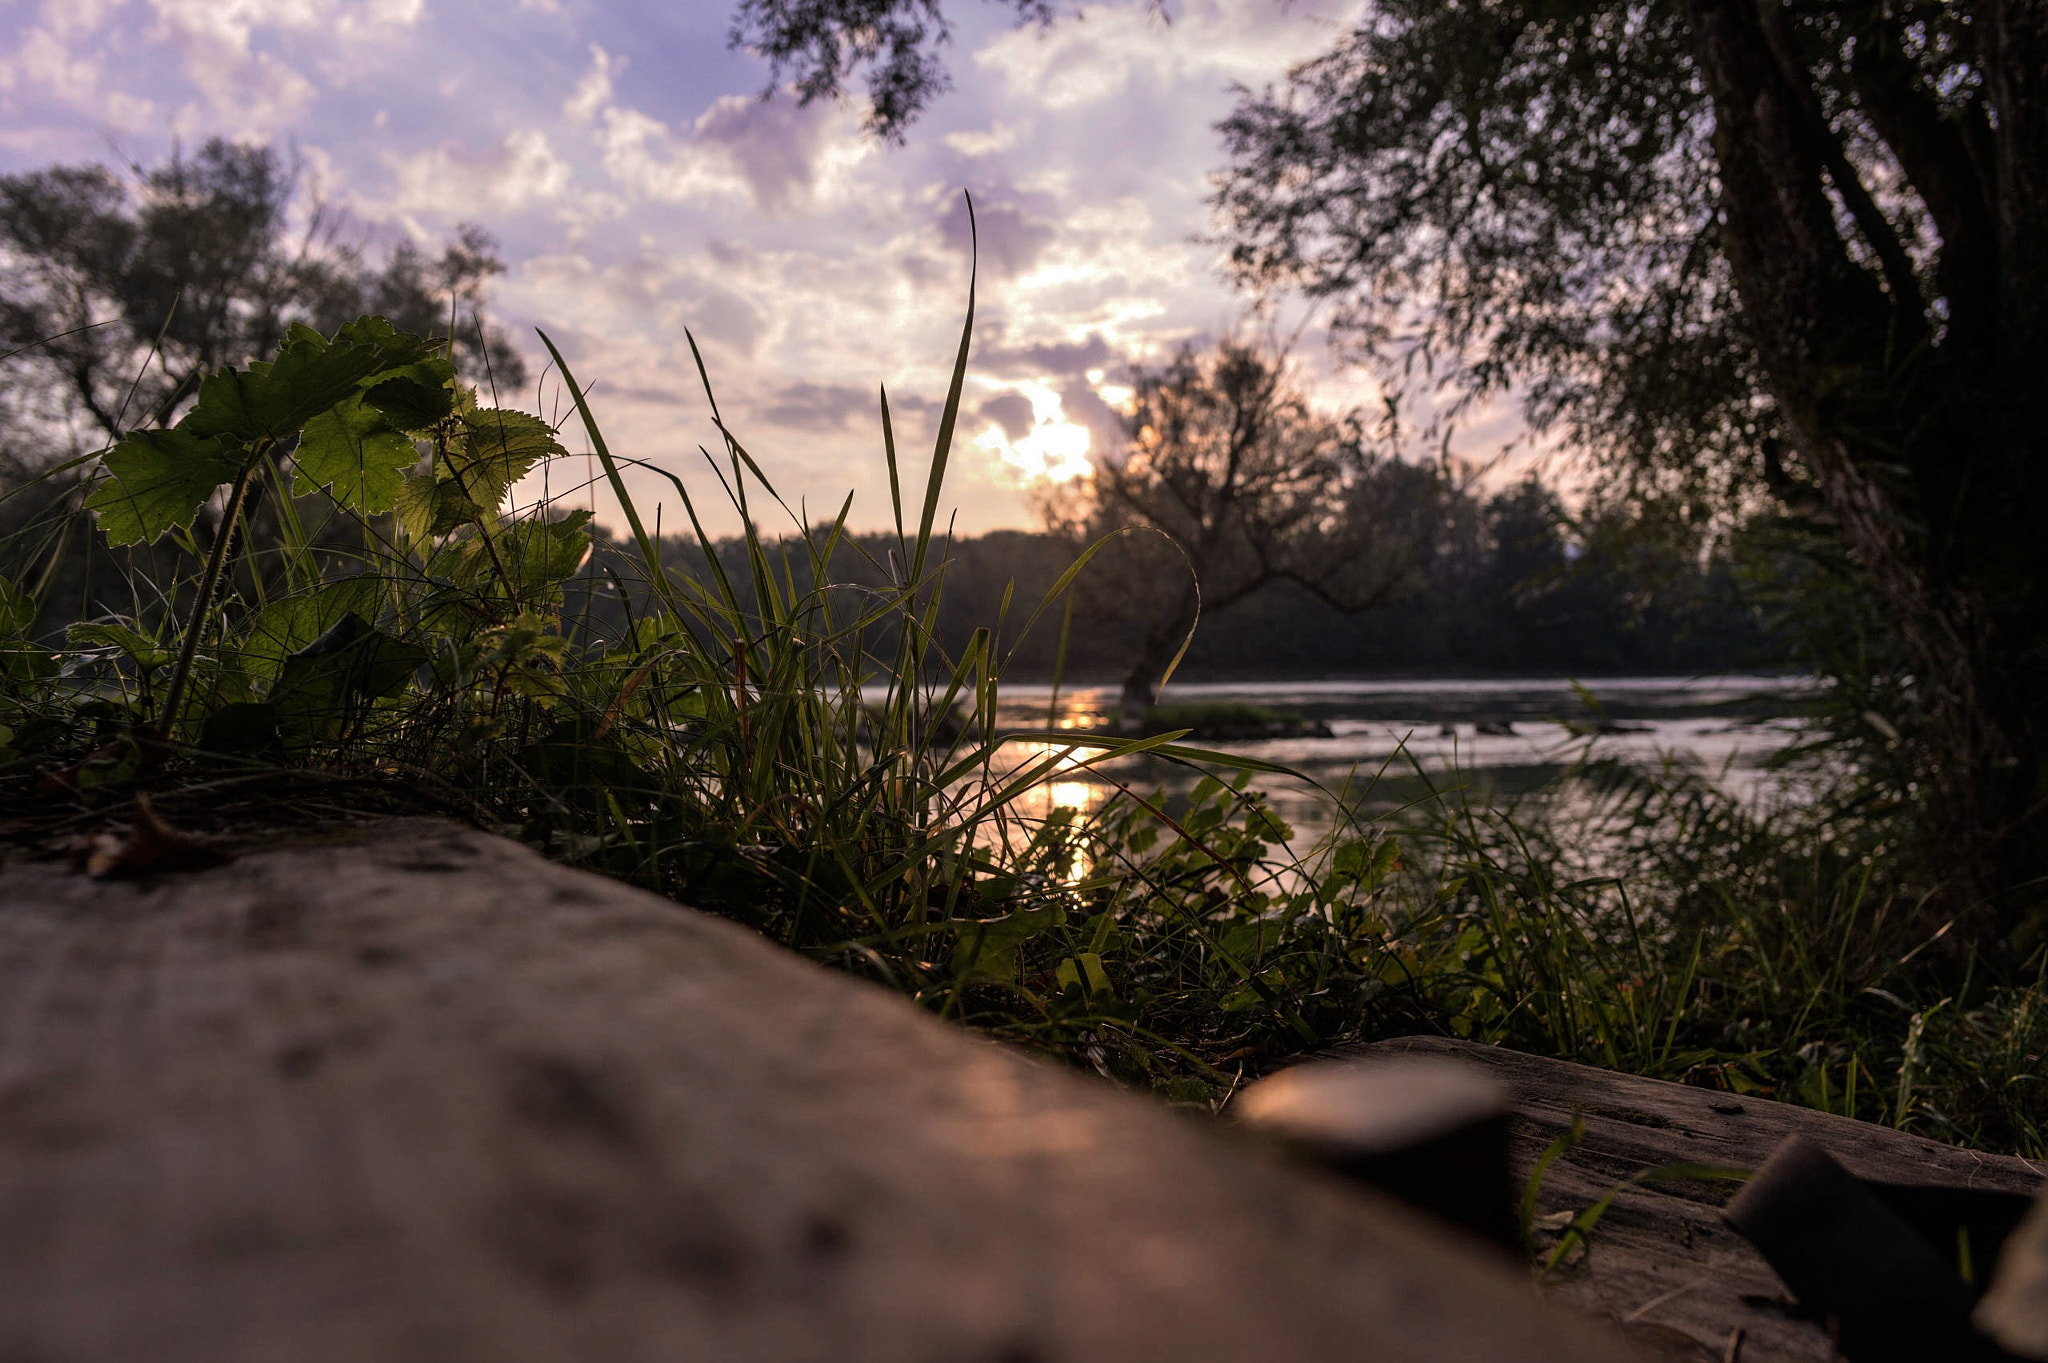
1155,655
1927,442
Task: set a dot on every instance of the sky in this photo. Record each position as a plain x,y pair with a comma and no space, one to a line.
639,185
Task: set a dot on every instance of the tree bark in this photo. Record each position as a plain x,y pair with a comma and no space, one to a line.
1155,654
1926,442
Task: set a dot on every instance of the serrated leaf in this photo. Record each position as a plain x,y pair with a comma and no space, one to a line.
498,449
355,454
159,479
324,685
415,397
268,401
372,330
539,554
429,507
290,624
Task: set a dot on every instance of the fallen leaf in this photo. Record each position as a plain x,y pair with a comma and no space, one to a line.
150,846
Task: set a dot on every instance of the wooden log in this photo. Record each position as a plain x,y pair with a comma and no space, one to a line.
1661,1260
421,1095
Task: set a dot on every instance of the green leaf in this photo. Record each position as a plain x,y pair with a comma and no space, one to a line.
145,651
291,623
159,479
354,452
26,663
416,397
499,448
986,951
268,401
429,507
324,685
243,729
17,609
539,554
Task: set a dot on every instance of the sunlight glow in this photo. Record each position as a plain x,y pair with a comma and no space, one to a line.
1054,450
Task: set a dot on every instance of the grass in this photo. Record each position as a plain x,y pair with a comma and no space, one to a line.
807,759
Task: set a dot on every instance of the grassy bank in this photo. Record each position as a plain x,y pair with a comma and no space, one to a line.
370,621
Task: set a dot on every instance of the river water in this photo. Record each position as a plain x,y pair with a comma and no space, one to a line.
1392,740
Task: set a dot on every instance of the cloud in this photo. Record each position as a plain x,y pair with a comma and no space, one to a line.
1011,411
638,198
996,356
774,155
1009,237
594,91
451,181
817,407
986,142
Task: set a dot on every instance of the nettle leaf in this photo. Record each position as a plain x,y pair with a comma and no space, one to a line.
159,479
499,447
324,685
430,507
357,455
540,554
271,400
286,626
416,397
371,330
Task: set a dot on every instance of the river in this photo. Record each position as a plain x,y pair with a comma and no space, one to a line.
1393,739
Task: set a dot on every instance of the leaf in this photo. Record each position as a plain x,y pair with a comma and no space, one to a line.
268,401
429,507
151,847
157,480
539,554
499,448
26,662
291,623
416,397
355,453
143,650
322,687
986,951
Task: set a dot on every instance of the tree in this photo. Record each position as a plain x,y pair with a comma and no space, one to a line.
821,44
1736,250
116,294
1738,246
1246,485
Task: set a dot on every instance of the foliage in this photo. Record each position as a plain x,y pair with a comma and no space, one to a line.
822,43
196,264
1244,484
1650,922
781,758
784,754
1784,254
1740,253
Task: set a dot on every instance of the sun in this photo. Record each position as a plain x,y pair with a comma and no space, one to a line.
1054,450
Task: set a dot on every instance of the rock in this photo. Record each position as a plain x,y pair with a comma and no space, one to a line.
417,1094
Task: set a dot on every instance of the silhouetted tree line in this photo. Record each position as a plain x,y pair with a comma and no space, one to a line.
1510,582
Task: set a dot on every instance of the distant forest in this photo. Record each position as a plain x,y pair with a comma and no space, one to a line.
1511,584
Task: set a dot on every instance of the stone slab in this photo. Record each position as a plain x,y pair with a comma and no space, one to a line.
419,1094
